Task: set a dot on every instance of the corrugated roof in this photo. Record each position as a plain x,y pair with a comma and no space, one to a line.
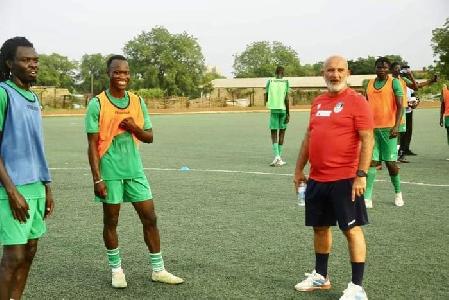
295,82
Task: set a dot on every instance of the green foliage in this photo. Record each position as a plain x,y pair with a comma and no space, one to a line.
260,59
93,65
148,94
312,69
207,86
440,46
171,62
363,66
56,70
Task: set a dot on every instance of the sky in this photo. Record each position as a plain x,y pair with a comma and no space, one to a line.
314,29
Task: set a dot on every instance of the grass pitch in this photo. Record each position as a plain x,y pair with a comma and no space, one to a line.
238,235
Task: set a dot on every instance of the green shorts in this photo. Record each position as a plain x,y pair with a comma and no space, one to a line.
277,119
126,190
446,121
12,232
385,149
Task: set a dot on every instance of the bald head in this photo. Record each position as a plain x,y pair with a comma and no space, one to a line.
335,58
335,72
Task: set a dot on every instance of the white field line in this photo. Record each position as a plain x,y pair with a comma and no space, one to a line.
248,172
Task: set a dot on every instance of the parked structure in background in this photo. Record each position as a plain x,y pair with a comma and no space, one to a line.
302,89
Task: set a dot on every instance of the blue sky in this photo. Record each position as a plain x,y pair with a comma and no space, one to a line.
315,29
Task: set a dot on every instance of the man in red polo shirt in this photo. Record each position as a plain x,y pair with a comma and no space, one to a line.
338,144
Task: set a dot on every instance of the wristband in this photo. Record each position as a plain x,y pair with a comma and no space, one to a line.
98,181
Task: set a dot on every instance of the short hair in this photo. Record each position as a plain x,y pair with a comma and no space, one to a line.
394,64
279,68
114,57
382,59
8,52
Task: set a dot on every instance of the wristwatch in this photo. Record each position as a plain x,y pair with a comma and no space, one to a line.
361,173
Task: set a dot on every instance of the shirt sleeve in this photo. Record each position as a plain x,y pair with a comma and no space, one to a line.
363,117
92,117
3,105
146,116
408,81
397,88
288,88
267,85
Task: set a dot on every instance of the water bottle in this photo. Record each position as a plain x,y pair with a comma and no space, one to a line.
302,194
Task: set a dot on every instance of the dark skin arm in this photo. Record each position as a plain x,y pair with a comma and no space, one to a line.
442,111
49,203
94,161
145,136
287,107
399,112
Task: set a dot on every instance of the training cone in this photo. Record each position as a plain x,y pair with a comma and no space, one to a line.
184,169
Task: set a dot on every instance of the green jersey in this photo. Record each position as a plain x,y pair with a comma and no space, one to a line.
397,88
277,89
122,159
32,190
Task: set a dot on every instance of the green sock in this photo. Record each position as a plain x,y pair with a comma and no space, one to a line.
396,181
280,146
370,183
114,259
276,149
156,261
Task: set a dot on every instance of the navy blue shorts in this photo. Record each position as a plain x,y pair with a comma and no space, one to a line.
329,202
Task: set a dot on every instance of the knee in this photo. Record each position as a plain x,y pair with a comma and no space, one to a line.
110,221
392,168
321,231
30,252
149,220
14,259
353,233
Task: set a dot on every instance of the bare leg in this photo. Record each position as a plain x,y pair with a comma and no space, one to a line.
147,215
111,214
24,269
14,257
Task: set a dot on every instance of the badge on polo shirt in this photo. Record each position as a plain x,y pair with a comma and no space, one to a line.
338,107
323,113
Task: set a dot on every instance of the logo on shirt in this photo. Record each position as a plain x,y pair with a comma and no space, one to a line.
338,107
122,112
318,106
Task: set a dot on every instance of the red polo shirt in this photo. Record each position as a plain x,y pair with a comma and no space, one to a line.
334,143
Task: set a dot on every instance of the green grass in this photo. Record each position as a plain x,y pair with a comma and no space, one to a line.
238,235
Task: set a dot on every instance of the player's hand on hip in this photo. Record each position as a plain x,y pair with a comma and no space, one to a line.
358,187
19,206
100,189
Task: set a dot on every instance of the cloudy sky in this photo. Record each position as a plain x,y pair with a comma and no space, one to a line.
315,29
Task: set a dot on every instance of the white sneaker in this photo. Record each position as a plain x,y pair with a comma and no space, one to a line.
166,277
398,199
313,281
280,162
369,203
119,280
354,292
275,161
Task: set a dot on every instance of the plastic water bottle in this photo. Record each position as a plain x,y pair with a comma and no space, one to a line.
302,194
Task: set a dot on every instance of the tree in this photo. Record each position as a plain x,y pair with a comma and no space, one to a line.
207,86
261,58
440,46
56,70
363,66
171,62
93,66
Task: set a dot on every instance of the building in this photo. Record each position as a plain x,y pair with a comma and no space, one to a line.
303,89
